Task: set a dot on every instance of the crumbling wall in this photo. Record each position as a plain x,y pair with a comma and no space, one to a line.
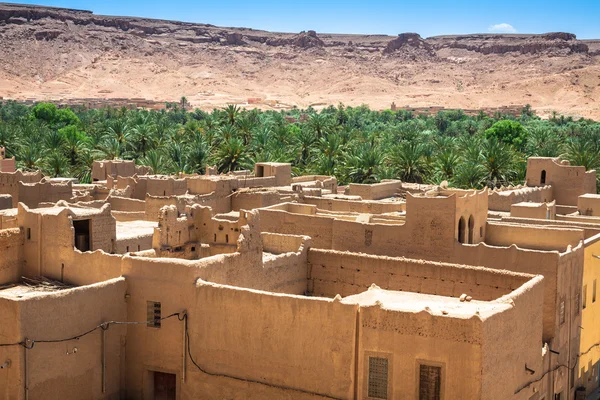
31,194
503,199
11,260
9,183
5,201
376,191
343,205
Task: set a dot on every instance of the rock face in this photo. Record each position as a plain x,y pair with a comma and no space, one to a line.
557,42
407,40
65,54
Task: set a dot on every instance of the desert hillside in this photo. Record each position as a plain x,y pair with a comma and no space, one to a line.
69,55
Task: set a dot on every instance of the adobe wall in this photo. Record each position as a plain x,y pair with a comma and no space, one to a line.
155,203
502,200
125,204
534,262
9,183
31,194
590,315
101,170
11,385
408,338
532,237
589,204
11,261
233,341
53,316
534,210
472,208
249,200
319,228
7,164
165,186
5,201
568,182
319,181
49,239
376,191
365,207
334,272
282,172
590,227
519,328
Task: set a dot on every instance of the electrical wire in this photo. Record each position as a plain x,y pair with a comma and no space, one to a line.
30,343
559,366
187,335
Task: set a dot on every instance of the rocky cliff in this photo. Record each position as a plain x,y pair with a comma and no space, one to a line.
57,53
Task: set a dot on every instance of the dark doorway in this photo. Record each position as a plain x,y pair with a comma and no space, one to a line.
461,230
543,177
471,229
165,386
260,171
82,234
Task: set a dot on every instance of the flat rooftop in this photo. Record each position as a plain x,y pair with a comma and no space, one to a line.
416,302
135,229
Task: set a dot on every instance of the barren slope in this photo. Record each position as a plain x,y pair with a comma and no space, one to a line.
58,54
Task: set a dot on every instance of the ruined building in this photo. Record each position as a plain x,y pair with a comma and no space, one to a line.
260,285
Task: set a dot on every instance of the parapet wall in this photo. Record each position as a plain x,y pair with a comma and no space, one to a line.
346,273
342,205
9,183
532,237
376,191
502,200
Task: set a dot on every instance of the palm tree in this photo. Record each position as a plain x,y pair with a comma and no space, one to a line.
56,164
232,112
362,163
231,155
319,123
498,161
155,160
408,159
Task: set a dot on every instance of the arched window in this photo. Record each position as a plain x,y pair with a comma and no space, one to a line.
471,229
543,177
461,230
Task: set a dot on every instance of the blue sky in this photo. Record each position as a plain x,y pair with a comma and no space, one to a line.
428,18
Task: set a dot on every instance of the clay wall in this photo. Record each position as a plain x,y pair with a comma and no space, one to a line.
101,170
31,194
7,165
9,183
590,227
333,272
233,341
518,327
11,260
502,200
5,201
568,182
532,237
319,228
249,200
53,316
363,207
282,172
155,203
165,186
125,204
11,383
319,181
589,204
376,191
534,210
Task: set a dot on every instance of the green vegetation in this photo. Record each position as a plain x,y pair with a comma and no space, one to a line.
353,143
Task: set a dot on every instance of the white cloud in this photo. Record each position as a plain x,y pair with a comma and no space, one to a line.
502,28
